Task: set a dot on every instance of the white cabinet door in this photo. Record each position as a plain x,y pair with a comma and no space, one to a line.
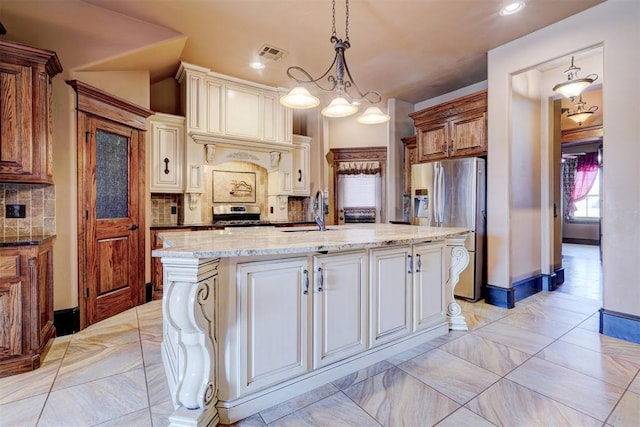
274,303
390,294
167,148
428,290
301,158
340,303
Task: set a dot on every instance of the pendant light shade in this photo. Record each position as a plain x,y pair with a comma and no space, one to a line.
300,98
348,94
339,107
574,85
581,114
373,116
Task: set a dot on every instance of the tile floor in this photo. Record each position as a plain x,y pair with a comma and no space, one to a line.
540,364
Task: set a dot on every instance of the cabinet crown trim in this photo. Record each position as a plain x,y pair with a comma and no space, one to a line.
41,56
464,104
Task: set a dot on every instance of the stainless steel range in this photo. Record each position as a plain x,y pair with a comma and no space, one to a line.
237,216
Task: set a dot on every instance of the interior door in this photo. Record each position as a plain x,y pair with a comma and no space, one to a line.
114,266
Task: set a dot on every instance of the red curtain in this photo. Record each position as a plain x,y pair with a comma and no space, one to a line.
586,173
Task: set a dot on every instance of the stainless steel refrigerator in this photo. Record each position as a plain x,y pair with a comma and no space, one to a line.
452,193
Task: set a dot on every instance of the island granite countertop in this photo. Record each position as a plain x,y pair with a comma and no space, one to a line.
272,241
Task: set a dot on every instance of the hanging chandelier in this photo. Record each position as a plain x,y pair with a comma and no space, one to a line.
581,114
348,94
574,85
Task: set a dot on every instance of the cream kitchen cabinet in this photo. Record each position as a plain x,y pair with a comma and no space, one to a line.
274,299
340,306
228,108
301,165
167,151
428,269
390,294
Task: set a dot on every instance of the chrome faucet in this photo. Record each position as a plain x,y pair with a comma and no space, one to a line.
318,209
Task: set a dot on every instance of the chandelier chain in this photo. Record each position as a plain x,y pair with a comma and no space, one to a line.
334,34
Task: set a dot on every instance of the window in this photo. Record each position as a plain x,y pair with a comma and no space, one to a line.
588,208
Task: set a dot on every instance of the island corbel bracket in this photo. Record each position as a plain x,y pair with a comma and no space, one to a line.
459,261
189,346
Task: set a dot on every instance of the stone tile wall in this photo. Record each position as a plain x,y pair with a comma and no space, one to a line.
40,210
161,205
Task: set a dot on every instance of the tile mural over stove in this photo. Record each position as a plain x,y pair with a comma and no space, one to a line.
246,180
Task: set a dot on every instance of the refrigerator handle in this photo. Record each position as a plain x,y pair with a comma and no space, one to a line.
436,195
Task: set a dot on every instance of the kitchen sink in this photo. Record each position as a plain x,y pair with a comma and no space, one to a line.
306,230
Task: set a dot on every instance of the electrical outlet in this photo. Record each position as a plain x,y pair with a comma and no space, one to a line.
15,211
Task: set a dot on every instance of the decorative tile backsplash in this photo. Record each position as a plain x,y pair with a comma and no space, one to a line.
165,209
40,210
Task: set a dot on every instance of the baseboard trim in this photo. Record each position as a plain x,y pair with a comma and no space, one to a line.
67,321
591,242
620,325
551,282
507,297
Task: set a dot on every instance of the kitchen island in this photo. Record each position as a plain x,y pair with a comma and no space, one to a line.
255,316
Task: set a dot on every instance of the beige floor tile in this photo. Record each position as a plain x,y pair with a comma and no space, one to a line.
28,384
98,337
78,368
384,397
410,354
554,314
572,303
443,339
160,414
150,320
509,404
604,344
58,349
618,372
464,418
141,418
581,392
627,413
492,356
336,410
635,385
511,336
592,323
152,351
252,421
96,402
538,324
290,406
23,412
450,375
362,374
157,385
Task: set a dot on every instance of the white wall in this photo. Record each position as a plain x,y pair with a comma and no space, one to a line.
525,209
614,25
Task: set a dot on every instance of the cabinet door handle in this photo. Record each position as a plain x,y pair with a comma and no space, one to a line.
305,273
166,165
444,146
418,263
410,264
299,175
451,147
320,280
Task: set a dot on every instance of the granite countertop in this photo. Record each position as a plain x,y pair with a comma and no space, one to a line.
25,241
295,240
210,225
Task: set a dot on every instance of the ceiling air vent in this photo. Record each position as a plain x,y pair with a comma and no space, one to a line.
271,53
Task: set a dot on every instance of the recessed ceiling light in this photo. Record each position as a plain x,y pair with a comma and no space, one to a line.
257,65
511,8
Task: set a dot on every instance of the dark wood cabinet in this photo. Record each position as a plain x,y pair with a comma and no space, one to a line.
26,130
454,129
410,158
26,300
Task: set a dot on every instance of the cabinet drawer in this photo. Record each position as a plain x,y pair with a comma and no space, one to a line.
9,266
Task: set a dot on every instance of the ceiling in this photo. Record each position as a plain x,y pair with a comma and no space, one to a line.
407,49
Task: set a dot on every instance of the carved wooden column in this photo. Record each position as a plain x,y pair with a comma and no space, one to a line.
189,344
